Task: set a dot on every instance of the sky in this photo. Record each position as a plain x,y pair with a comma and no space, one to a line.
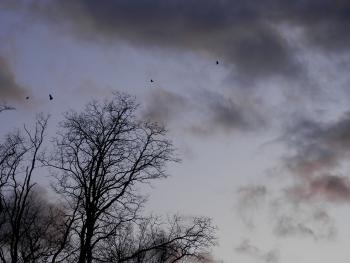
264,135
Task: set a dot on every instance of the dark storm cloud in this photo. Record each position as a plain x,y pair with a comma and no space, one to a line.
244,34
240,32
319,148
10,90
230,31
245,247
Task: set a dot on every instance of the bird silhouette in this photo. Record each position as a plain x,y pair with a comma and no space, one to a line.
217,62
27,98
50,97
152,80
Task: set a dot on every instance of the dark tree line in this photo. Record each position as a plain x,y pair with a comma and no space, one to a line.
98,160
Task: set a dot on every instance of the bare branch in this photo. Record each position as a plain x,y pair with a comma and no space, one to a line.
5,107
152,241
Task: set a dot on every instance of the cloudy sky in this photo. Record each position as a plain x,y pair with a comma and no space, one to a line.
264,135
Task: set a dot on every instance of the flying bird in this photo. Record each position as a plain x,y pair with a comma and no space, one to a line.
27,98
152,80
217,62
50,97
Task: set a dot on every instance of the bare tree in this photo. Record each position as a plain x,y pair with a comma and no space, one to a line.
151,241
37,234
11,152
18,163
100,158
7,156
103,154
65,248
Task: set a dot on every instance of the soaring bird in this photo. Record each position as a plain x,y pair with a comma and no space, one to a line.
152,80
50,97
217,62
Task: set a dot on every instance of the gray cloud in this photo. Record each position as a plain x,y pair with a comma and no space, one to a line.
207,258
10,90
230,31
250,199
164,106
332,188
319,149
245,247
316,146
231,112
245,35
252,196
289,226
291,220
285,214
211,111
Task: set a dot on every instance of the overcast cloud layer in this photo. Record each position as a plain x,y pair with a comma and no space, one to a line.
256,41
246,35
285,67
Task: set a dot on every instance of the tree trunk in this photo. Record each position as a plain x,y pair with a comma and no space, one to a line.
86,248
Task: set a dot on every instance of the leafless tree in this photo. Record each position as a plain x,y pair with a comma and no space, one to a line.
100,158
37,235
151,241
102,155
18,163
8,156
11,152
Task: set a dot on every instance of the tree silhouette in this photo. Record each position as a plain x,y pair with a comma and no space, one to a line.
98,160
31,231
24,222
102,154
150,240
